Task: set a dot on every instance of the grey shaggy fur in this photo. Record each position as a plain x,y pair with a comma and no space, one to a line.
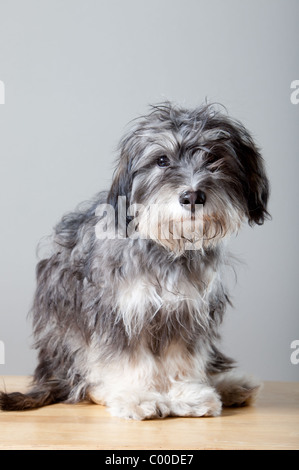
78,315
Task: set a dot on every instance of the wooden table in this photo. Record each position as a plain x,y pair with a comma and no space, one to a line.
272,423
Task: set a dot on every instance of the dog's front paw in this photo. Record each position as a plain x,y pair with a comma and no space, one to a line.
140,410
195,401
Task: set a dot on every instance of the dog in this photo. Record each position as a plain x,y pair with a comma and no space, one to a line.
128,304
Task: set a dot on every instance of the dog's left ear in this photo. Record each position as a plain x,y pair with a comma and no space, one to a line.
253,176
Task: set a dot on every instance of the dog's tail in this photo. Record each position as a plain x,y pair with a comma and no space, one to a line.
43,394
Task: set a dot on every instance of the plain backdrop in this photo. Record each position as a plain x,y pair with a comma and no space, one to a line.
77,71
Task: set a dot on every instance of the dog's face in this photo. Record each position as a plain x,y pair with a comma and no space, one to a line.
190,177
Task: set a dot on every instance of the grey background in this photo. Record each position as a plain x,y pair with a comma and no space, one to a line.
76,71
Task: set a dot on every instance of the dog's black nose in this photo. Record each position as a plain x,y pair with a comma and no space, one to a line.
192,198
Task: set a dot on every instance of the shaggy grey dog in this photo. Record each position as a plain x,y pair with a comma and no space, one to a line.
128,305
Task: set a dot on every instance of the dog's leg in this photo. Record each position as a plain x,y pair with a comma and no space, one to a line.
235,389
130,388
190,393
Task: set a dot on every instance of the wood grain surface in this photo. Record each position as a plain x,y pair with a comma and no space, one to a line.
272,423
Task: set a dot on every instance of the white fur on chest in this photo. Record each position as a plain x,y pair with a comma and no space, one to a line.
138,300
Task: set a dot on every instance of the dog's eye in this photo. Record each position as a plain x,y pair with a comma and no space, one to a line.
163,161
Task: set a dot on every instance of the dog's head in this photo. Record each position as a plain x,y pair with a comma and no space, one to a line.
190,176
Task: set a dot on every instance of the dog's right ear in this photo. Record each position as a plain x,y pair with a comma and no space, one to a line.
122,178
121,184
